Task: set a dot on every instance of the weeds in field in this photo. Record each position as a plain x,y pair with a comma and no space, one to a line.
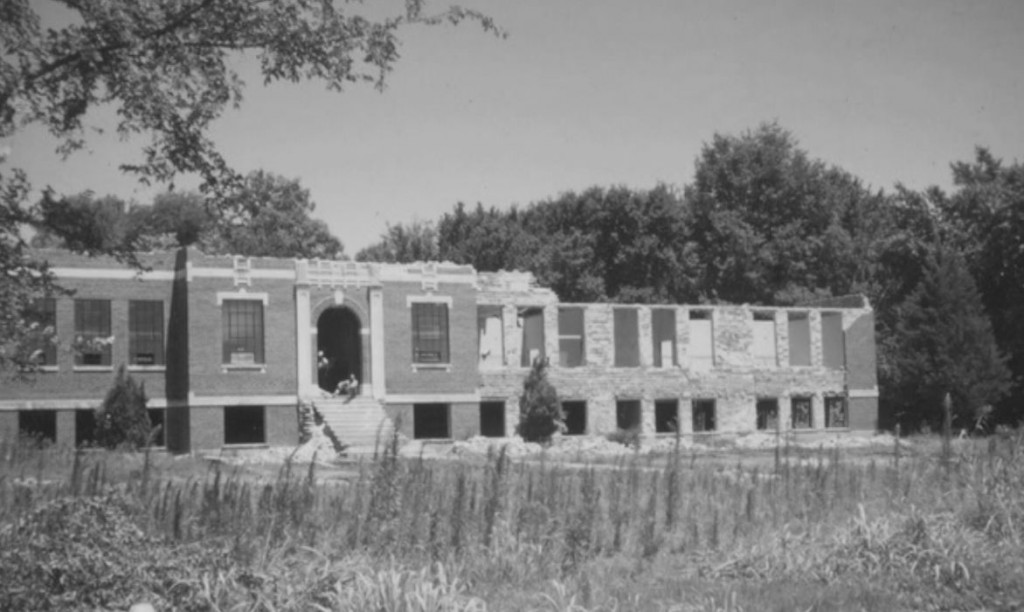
644,533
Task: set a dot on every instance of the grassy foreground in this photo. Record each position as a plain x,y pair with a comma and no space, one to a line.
921,531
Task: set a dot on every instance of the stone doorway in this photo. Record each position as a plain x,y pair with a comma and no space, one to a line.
339,342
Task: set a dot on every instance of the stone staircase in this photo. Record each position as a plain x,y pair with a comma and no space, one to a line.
357,423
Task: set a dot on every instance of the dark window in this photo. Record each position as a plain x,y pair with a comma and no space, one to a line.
85,428
157,420
42,316
92,332
39,425
666,415
627,414
663,335
532,322
570,337
703,415
627,337
146,332
492,419
799,339
575,415
430,421
802,413
429,332
835,412
767,414
245,425
833,349
242,322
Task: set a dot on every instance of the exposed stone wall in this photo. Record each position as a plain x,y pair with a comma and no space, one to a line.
736,382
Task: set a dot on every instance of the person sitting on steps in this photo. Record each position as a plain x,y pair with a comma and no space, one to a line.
349,387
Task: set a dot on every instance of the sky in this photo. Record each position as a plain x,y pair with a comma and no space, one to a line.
613,92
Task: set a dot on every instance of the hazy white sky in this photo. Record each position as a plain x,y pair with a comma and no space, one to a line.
606,92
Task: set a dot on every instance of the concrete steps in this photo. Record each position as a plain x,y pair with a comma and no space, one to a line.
357,423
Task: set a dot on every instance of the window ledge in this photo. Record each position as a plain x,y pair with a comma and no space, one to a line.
47,368
147,368
259,367
429,367
247,446
93,368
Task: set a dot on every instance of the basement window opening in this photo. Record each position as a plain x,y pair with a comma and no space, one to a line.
492,419
666,416
245,425
627,414
575,417
703,415
767,414
38,425
431,422
85,428
836,412
802,412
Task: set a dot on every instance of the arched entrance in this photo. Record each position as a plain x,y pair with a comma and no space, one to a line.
339,340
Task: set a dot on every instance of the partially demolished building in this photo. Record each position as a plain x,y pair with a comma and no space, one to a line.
234,350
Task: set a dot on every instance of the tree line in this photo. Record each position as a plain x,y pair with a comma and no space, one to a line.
763,222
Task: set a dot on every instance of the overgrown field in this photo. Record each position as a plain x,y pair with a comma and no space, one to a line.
916,532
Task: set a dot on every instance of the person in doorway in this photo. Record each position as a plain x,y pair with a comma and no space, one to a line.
349,386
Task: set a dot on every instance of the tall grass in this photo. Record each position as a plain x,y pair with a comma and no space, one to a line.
501,534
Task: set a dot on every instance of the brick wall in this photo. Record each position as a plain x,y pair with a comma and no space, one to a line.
208,375
401,376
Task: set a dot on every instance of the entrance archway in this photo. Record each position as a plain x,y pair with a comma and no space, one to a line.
339,340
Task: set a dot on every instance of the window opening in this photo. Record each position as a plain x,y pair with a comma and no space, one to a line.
38,425
627,414
663,335
146,332
85,428
833,349
666,415
575,417
42,315
92,332
242,322
570,337
802,413
492,419
431,421
490,329
799,339
245,425
430,332
703,415
627,337
764,340
836,412
702,345
531,320
767,414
